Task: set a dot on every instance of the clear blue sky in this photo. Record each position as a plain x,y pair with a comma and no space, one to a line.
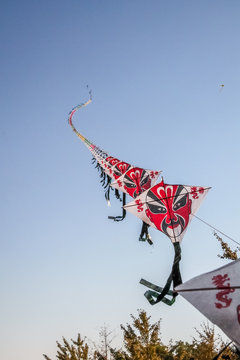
155,69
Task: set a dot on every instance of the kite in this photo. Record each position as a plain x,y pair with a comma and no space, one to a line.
134,180
216,294
167,208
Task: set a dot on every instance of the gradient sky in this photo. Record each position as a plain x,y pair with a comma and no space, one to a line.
155,69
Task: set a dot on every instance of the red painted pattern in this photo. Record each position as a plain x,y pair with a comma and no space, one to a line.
222,296
196,191
139,205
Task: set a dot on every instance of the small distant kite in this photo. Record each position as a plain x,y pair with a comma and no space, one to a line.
221,87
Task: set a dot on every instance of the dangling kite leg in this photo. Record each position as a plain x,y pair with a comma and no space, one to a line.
159,294
144,235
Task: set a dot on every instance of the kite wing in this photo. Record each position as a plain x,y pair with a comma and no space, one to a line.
216,295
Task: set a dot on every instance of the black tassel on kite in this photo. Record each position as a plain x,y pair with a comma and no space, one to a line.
103,176
106,183
117,195
93,160
97,167
107,187
107,195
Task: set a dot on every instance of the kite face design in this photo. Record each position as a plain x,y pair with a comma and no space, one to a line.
114,161
169,207
120,168
110,162
136,181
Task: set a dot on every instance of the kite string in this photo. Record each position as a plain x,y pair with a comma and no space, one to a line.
215,229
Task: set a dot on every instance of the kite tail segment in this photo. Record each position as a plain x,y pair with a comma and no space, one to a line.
159,293
98,154
70,117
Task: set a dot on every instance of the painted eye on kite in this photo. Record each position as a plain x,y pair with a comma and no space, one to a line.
180,203
117,172
144,180
157,209
130,184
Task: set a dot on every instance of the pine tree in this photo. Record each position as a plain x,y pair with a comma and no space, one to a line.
78,350
181,350
205,346
141,340
103,351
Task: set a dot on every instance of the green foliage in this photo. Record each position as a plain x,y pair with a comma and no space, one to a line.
228,253
78,350
227,352
103,351
181,350
205,346
142,341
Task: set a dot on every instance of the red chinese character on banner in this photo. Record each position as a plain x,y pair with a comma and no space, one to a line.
222,296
